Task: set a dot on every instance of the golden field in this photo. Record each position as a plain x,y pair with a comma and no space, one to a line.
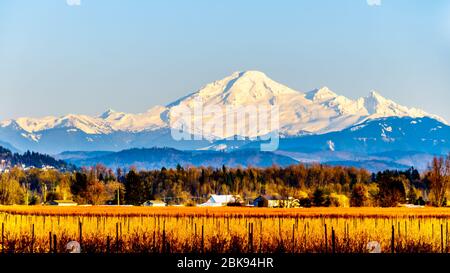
40,229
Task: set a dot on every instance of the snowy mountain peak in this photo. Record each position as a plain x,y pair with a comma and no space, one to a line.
107,113
321,94
255,84
374,95
377,104
251,74
241,88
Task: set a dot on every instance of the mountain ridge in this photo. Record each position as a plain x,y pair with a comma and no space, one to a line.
157,158
316,112
231,90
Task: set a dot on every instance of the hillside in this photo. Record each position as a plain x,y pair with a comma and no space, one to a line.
156,158
30,159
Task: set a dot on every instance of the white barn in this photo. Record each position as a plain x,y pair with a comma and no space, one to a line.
216,200
154,203
62,203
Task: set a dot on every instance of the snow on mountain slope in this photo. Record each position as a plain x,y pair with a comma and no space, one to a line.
252,88
106,123
149,120
316,112
378,107
87,124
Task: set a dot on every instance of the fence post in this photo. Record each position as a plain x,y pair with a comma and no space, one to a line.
3,237
446,237
108,245
333,241
326,239
55,244
203,239
393,240
80,228
32,238
260,236
293,238
154,241
442,238
252,238
117,237
50,242
305,231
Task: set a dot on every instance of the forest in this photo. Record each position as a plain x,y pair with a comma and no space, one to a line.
313,185
32,159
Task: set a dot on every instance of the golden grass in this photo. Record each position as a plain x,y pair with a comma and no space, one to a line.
224,230
225,211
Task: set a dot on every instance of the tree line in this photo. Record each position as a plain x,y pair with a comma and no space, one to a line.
32,159
312,185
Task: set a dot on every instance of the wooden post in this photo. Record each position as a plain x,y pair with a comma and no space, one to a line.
164,243
203,239
251,237
326,238
248,237
432,231
406,232
348,237
117,237
446,237
293,238
393,240
333,241
55,244
32,238
154,241
50,242
108,245
279,229
80,230
3,237
195,232
260,236
442,238
305,238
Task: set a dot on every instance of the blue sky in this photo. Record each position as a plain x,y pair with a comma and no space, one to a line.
131,55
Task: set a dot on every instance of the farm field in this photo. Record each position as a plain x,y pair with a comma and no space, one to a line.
103,229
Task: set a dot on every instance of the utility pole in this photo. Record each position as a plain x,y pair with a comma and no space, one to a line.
45,193
118,196
26,189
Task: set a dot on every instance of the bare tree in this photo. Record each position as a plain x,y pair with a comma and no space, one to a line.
439,177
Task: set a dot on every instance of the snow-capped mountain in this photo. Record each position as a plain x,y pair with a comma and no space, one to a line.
316,112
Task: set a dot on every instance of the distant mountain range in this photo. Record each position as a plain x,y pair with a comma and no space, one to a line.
315,126
157,158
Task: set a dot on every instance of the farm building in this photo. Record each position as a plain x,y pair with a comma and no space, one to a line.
270,201
154,203
216,200
62,203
